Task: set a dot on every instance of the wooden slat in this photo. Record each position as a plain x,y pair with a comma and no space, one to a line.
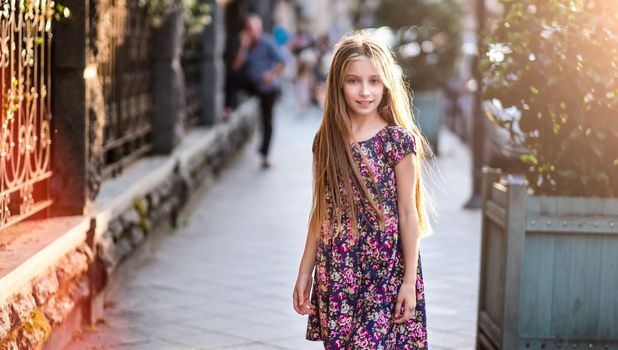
561,343
537,286
553,205
490,329
608,288
498,194
484,343
515,239
572,224
560,315
495,253
495,213
489,288
590,281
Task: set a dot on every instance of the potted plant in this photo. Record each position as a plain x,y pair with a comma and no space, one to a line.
427,43
549,246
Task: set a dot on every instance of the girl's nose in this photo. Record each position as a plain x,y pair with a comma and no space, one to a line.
364,89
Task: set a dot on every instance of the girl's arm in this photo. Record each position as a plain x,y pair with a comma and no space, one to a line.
304,280
405,175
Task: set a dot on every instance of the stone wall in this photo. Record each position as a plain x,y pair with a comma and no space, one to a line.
128,230
46,312
27,318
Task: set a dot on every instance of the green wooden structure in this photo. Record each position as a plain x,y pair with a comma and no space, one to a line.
549,269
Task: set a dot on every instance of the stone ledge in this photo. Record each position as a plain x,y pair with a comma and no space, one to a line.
142,177
50,278
30,248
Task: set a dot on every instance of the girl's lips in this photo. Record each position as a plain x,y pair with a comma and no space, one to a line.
364,103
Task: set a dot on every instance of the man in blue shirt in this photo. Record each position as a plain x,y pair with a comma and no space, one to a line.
263,65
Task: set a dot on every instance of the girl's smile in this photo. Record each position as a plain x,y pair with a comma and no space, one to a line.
362,88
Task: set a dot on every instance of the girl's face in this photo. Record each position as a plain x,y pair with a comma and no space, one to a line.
362,88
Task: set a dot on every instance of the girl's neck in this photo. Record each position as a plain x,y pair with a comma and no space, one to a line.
363,127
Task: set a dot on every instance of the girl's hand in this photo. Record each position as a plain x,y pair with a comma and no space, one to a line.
302,305
406,303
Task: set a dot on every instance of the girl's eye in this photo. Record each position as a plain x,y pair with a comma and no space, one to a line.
352,81
375,81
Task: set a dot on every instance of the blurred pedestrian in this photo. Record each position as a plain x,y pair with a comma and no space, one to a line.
368,211
263,63
325,56
305,79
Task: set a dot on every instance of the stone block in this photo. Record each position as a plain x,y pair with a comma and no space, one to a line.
8,344
34,332
22,308
154,198
87,251
115,229
137,234
130,217
45,287
70,266
5,323
122,249
79,289
164,190
106,250
57,308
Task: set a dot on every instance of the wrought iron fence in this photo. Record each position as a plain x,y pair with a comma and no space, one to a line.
125,75
191,64
25,139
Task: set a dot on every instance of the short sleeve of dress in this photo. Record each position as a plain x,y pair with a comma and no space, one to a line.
402,143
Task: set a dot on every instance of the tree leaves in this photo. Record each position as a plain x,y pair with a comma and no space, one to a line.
562,75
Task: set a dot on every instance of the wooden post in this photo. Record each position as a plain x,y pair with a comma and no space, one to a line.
515,230
490,176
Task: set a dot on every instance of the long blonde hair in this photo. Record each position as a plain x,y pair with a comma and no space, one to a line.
333,163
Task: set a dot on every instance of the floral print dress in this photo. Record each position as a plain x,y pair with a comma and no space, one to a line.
357,277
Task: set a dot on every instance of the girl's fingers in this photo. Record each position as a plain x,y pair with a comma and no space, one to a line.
398,308
308,306
295,302
405,317
309,309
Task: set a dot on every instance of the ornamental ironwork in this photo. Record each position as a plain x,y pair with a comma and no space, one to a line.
25,112
124,73
192,68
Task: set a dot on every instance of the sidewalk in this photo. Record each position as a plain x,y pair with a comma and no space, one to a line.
224,279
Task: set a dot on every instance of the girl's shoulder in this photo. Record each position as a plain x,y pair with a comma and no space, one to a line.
398,134
399,142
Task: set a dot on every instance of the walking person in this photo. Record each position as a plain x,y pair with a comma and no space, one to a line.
360,278
263,63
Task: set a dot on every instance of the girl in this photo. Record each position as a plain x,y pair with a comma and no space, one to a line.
367,214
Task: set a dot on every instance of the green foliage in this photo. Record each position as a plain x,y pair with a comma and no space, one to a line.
142,208
428,38
555,62
60,12
158,10
197,13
